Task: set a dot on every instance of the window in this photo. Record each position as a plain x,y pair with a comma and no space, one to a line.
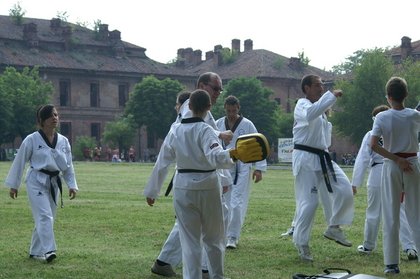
65,130
95,131
122,94
94,94
64,93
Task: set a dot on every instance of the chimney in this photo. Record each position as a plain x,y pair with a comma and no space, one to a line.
406,47
248,45
209,55
30,34
236,46
55,24
103,32
115,36
66,33
197,57
180,58
295,63
217,59
188,54
217,48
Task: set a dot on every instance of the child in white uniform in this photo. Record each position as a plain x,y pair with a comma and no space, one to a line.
49,154
399,129
367,159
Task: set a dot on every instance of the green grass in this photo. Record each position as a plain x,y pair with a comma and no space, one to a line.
108,231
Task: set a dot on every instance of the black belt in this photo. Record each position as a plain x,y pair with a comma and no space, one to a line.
376,163
325,160
60,187
171,183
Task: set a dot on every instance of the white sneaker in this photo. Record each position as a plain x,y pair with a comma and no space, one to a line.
231,243
289,232
304,253
336,234
363,250
411,254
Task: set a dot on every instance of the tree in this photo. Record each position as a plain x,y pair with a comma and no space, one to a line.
119,133
26,92
152,104
256,105
361,94
410,71
348,66
17,13
304,59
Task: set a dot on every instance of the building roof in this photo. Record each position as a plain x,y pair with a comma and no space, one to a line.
65,46
81,49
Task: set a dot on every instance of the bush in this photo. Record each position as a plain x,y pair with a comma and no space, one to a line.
83,148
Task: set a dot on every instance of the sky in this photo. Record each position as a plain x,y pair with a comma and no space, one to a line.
325,31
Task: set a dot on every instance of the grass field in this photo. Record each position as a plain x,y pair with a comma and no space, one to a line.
108,231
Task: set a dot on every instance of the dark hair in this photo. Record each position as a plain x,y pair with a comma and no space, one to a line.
378,109
396,88
206,78
43,113
182,97
307,81
231,101
200,101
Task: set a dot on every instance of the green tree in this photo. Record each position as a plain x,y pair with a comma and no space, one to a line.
26,92
17,13
82,144
410,70
256,105
361,94
304,59
119,133
351,62
152,104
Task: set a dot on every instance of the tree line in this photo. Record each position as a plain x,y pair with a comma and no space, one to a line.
151,104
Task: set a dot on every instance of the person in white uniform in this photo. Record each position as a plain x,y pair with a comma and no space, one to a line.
237,197
399,128
367,159
49,155
170,254
313,167
195,147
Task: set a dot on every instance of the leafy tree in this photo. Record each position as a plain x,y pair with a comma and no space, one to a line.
256,105
17,13
152,104
304,59
26,92
410,70
228,56
119,133
348,66
361,94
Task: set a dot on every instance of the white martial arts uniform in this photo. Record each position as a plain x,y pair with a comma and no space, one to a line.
42,189
237,197
399,129
311,128
368,159
171,251
197,194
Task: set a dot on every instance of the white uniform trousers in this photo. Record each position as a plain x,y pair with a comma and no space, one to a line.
171,252
43,212
200,221
373,219
307,183
326,202
393,180
237,200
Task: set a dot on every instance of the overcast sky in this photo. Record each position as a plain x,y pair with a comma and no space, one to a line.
327,31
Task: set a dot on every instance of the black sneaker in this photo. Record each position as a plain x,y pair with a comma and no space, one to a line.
392,269
50,256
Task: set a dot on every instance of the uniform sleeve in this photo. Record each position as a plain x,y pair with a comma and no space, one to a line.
68,174
309,111
213,151
165,158
14,177
362,161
